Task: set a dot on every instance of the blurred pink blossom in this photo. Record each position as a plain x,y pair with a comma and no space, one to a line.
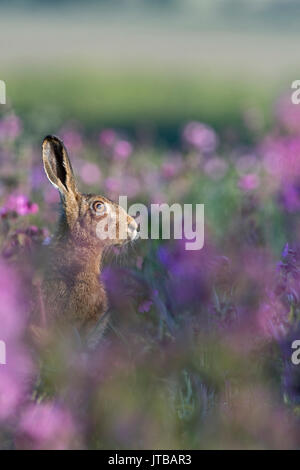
46,426
281,157
288,114
200,136
171,167
248,182
90,173
20,204
290,197
113,185
11,394
107,137
16,378
122,150
145,306
272,320
131,186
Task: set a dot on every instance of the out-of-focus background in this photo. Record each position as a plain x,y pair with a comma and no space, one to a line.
164,101
144,64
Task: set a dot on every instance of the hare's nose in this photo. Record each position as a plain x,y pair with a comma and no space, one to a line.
133,225
132,229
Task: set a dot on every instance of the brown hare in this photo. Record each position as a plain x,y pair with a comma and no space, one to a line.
72,292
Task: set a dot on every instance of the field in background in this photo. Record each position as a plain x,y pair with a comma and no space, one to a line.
139,103
139,71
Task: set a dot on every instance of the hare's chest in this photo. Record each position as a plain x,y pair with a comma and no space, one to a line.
88,300
77,302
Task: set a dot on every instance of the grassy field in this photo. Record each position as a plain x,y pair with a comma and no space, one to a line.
133,101
134,71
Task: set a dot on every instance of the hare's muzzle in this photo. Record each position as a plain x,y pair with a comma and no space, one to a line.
132,229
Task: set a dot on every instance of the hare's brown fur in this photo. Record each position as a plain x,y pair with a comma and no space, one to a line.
72,290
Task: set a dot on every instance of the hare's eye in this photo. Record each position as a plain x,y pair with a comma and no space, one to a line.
99,207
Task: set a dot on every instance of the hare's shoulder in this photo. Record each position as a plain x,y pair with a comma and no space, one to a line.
80,300
54,287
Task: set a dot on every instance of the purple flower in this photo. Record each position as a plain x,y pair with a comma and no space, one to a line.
107,138
288,114
23,240
171,167
248,182
122,150
200,136
189,272
281,157
272,320
131,186
290,197
16,374
90,173
20,204
15,380
145,306
11,394
112,185
285,250
46,426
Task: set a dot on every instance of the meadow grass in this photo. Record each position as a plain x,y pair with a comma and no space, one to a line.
135,100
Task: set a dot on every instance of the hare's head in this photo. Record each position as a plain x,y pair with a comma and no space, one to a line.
90,219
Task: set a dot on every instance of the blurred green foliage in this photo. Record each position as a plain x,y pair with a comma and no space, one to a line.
135,101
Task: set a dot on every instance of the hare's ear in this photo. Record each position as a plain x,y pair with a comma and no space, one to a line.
58,167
